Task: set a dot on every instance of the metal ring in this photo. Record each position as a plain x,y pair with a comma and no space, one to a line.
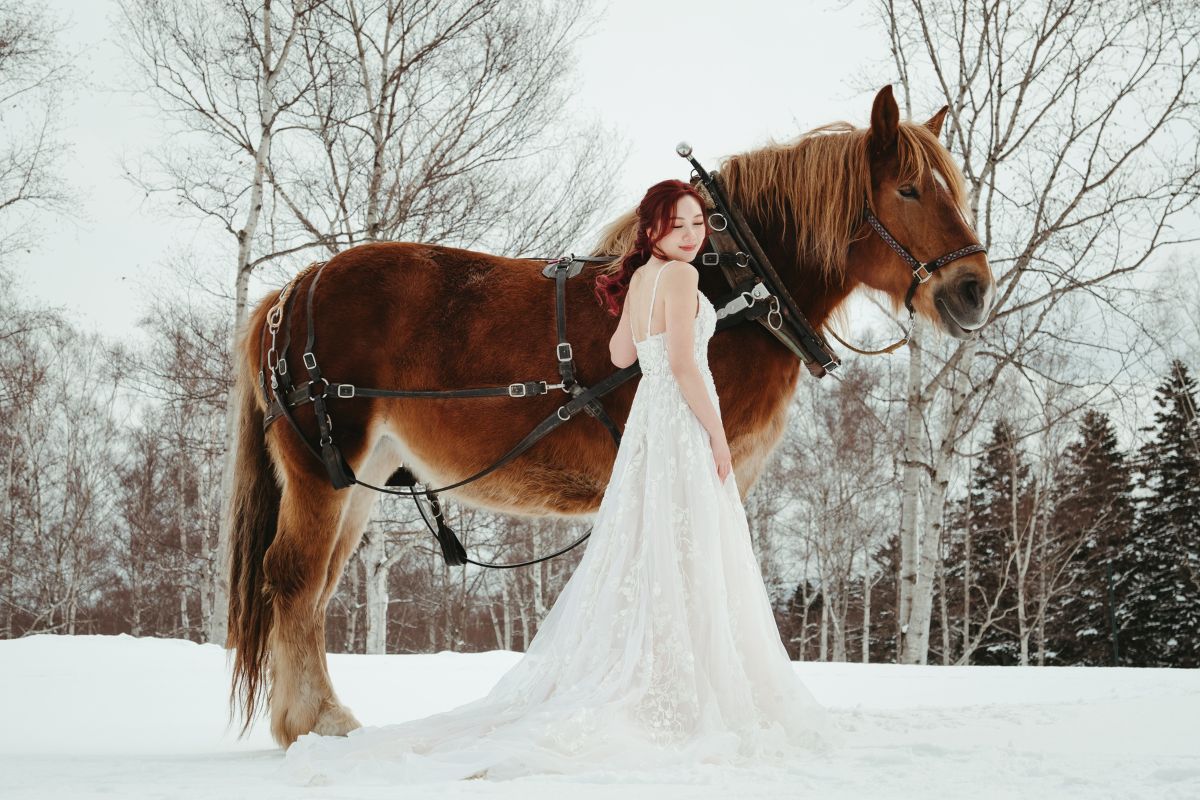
712,221
775,310
559,412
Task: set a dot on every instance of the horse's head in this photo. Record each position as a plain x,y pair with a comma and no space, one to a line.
918,197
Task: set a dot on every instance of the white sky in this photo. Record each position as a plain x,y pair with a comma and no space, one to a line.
786,67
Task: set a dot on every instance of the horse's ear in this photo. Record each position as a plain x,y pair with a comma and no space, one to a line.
885,119
935,122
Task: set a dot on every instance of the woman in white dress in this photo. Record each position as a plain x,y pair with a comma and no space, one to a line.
661,648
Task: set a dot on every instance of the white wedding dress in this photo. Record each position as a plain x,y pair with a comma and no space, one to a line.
661,649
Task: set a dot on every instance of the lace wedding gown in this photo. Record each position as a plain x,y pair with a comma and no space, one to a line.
660,650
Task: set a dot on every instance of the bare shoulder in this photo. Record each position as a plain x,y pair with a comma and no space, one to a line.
682,274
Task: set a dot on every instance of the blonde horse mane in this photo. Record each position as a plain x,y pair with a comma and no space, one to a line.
816,186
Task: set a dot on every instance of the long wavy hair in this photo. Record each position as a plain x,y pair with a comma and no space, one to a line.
653,221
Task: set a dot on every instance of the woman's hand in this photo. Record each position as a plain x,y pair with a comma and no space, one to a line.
720,449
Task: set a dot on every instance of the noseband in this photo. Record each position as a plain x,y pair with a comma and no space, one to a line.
920,272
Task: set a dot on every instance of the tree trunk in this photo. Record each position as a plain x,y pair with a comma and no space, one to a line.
352,609
267,109
916,647
945,611
181,517
866,621
911,487
966,617
374,558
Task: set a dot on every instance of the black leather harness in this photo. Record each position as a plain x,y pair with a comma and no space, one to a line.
282,396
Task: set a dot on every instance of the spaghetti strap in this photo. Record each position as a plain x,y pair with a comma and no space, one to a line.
653,292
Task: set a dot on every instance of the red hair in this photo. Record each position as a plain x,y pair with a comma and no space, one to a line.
653,213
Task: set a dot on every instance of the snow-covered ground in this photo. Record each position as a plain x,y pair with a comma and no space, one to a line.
105,716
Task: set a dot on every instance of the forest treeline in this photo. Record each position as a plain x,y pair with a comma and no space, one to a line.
1085,553
1026,495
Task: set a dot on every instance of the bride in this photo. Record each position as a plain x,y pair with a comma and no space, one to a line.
661,648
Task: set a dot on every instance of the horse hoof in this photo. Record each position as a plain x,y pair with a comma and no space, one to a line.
335,720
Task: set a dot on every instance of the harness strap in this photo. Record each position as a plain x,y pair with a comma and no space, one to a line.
307,392
802,339
340,474
564,268
552,421
564,355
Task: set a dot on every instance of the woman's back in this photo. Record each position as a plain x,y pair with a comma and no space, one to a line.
647,302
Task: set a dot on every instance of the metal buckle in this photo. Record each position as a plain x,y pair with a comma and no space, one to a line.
712,221
921,273
516,390
345,390
569,352
310,361
710,259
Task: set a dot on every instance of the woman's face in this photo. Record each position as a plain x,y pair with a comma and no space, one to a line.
685,232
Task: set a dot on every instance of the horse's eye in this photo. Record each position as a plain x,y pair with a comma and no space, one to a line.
908,190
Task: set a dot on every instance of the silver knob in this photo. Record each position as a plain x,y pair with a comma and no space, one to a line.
684,149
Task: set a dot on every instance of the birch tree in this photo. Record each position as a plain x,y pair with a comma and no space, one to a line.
216,72
35,73
1067,118
440,121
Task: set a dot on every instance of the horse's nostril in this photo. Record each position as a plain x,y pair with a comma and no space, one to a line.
971,292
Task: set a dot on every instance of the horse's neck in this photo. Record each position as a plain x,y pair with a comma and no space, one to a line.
815,296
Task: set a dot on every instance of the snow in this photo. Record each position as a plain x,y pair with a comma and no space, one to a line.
118,716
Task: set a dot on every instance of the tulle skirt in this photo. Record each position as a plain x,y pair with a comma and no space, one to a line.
661,649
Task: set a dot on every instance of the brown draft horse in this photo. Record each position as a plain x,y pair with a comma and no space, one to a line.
407,315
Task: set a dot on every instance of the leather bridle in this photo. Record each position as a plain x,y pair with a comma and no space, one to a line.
920,274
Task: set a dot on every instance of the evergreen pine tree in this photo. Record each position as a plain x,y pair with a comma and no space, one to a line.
1092,520
1159,588
999,498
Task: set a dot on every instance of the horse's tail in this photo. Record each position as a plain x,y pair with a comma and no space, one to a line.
254,513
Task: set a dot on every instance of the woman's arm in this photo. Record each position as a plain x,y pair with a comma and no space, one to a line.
621,351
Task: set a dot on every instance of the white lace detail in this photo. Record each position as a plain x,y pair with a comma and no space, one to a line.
661,649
